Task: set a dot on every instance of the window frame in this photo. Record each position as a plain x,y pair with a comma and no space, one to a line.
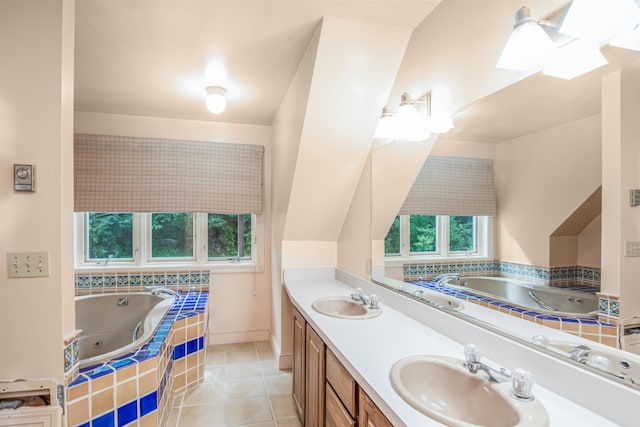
142,259
484,244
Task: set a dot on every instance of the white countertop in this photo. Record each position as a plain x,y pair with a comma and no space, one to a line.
368,349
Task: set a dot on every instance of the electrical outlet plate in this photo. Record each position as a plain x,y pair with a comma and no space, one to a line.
28,264
632,249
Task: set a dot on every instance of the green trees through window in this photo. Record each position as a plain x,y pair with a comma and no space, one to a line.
110,234
172,235
420,234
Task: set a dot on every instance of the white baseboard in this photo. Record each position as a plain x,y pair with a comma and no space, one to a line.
238,337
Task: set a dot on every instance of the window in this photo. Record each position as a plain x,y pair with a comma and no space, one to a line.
437,236
151,238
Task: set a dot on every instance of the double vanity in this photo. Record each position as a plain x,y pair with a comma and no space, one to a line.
393,361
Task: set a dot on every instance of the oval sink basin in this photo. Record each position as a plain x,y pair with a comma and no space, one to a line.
438,300
344,308
441,388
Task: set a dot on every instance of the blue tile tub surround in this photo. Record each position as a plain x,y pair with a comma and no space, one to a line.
556,276
468,296
185,307
125,281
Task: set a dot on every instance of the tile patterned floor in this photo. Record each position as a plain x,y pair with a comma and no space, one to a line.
242,387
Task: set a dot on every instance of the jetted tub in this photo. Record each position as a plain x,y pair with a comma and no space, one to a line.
543,299
116,324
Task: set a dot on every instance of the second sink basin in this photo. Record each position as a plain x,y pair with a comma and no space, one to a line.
441,388
344,308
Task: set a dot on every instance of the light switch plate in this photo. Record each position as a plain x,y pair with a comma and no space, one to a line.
632,249
28,264
634,198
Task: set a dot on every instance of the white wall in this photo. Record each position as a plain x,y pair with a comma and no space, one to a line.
240,303
541,178
620,172
589,244
36,119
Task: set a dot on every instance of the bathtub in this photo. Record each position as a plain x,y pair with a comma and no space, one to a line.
542,299
116,324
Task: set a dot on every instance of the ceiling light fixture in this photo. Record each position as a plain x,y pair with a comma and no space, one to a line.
528,45
216,100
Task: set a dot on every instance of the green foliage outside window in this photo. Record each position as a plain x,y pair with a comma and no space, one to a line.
422,233
171,235
392,241
461,234
223,235
110,234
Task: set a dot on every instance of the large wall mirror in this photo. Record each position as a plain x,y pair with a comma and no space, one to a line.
544,138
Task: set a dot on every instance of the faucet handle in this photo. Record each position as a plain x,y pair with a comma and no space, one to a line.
522,381
373,301
472,353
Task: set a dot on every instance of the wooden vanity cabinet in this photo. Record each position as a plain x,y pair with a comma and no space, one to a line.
341,394
299,361
315,379
369,415
324,392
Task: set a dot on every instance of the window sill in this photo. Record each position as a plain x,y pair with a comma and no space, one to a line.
218,267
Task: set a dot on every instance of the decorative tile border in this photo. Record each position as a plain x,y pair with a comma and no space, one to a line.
125,281
557,276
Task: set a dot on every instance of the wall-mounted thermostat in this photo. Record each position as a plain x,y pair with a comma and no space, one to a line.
24,178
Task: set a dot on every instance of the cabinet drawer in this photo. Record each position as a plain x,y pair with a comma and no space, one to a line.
336,415
342,382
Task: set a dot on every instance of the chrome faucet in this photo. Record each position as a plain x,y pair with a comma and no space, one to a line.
157,290
522,380
371,301
443,279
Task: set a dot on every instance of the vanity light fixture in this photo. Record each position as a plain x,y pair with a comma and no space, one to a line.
415,120
216,100
529,45
597,20
576,58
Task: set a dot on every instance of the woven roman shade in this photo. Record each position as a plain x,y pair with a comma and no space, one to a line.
127,174
458,186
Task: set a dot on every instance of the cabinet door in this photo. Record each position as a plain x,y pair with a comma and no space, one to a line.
368,414
315,379
336,415
342,382
299,361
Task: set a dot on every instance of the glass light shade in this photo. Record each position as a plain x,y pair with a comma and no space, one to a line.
577,58
599,20
216,101
439,121
386,128
627,40
409,124
528,46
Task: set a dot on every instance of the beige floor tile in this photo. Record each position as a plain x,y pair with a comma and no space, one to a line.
270,368
217,358
173,417
263,345
243,370
281,384
214,373
264,424
282,405
241,346
241,356
248,411
288,422
205,393
212,415
245,388
265,355
215,348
